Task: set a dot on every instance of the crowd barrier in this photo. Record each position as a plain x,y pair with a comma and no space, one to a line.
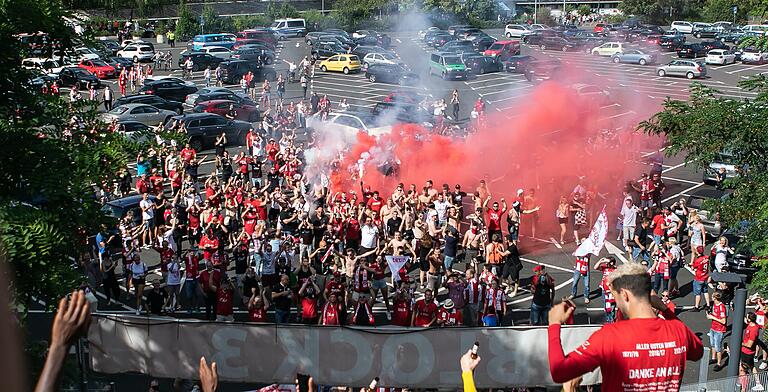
752,382
352,356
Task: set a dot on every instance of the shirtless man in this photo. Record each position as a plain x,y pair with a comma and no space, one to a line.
396,242
473,237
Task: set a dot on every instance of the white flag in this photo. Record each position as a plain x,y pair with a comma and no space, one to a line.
594,243
395,264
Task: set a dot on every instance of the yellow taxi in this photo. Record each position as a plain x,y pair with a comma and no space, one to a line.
341,63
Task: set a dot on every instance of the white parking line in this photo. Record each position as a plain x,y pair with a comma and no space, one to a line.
679,180
499,84
682,193
745,69
675,167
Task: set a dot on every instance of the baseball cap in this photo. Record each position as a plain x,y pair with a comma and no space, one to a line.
538,268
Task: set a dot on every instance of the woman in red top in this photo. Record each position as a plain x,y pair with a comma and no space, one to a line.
225,295
257,307
402,308
308,294
209,244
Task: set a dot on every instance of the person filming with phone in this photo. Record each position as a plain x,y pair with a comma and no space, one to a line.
641,352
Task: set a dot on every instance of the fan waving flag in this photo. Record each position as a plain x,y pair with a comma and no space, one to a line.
594,243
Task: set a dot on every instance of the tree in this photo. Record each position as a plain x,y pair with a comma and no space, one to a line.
544,16
705,126
722,10
187,25
661,11
760,43
585,10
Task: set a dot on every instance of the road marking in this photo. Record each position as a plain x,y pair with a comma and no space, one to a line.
675,167
614,250
398,40
744,69
557,244
682,193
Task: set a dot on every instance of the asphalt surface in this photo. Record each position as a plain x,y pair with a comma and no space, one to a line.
503,91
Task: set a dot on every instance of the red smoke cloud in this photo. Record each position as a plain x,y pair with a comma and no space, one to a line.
553,138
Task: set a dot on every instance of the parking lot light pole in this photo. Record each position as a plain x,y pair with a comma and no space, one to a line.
535,9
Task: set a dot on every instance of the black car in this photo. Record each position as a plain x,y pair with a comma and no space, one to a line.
402,112
671,43
556,43
150,99
432,33
117,209
254,54
457,47
119,63
323,51
691,51
542,70
169,90
233,71
362,50
110,47
200,60
203,129
518,64
716,44
77,76
483,43
536,38
464,32
391,73
479,65
588,39
375,39
441,39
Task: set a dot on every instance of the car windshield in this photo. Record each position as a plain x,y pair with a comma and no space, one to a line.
118,110
389,56
99,63
496,47
452,60
112,211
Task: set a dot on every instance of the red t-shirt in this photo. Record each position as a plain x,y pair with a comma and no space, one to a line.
633,355
402,313
425,312
582,264
224,307
257,315
308,307
375,204
658,223
187,154
331,314
701,269
450,317
205,277
718,310
191,266
750,333
494,220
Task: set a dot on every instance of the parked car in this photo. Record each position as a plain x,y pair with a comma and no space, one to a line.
99,68
345,63
137,52
540,70
218,51
691,51
200,60
216,93
391,73
289,27
720,56
234,70
557,43
382,58
591,93
325,50
716,44
682,26
688,68
634,56
118,209
362,50
261,35
143,113
201,41
503,49
245,111
599,28
351,122
517,64
483,43
452,29
150,99
751,55
49,66
76,76
705,31
170,78
478,64
170,90
516,30
447,66
135,131
203,129
458,47
608,49
254,53
440,39
119,63
724,160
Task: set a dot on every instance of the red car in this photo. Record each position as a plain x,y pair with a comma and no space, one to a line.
653,39
599,28
99,68
243,112
265,36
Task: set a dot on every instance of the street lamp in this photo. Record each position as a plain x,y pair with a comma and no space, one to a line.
535,11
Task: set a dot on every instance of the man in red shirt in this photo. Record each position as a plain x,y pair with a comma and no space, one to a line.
494,216
209,285
749,345
717,330
225,297
645,187
402,307
700,268
641,352
375,202
191,286
331,314
424,311
448,316
187,154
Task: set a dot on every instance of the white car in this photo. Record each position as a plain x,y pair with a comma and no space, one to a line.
349,122
720,56
592,93
48,66
217,51
517,30
137,52
381,58
84,53
682,26
539,26
754,56
423,33
608,49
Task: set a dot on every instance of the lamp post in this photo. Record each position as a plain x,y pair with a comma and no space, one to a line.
535,11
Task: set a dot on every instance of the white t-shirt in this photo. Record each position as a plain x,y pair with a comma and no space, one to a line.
368,237
147,209
441,208
630,216
174,273
673,220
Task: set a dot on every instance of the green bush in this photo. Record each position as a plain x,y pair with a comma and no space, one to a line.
240,23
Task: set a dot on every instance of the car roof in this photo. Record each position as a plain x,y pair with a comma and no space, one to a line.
193,116
127,201
216,101
135,105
